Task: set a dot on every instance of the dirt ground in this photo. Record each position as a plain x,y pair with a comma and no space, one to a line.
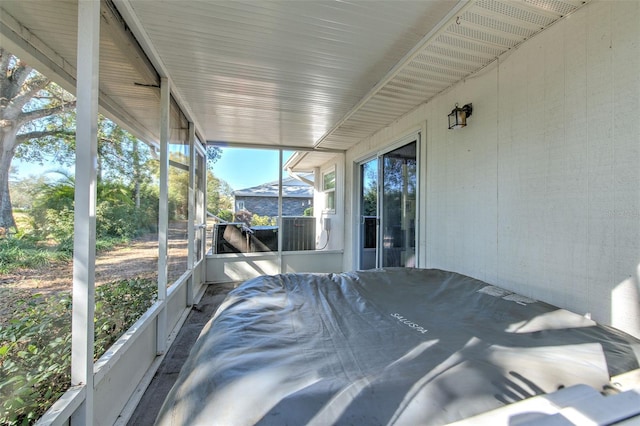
136,259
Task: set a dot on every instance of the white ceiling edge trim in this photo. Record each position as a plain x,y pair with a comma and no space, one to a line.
295,159
131,18
460,7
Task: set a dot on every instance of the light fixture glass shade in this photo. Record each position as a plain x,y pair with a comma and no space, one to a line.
458,116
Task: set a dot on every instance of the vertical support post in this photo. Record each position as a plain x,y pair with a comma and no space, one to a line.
191,255
280,210
380,220
84,241
163,216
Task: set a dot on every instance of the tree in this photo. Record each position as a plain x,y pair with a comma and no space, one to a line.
213,154
219,194
370,191
31,108
24,190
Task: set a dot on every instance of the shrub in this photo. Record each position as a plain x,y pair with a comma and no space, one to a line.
117,215
226,215
115,220
35,345
257,220
21,251
35,358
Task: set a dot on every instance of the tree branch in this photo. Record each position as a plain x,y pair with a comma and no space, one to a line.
4,60
41,134
31,88
21,73
44,112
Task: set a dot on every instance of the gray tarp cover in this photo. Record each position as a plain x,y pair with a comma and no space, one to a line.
395,346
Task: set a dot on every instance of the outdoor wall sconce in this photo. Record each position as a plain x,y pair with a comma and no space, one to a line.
458,116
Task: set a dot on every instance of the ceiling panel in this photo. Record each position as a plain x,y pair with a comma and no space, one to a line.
285,71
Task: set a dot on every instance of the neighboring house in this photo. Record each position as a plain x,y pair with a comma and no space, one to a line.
262,200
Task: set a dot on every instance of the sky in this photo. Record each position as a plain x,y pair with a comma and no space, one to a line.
25,169
244,168
240,168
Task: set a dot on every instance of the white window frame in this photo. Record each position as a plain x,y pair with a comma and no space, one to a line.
329,191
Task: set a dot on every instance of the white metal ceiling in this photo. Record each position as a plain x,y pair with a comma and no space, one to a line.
280,72
315,73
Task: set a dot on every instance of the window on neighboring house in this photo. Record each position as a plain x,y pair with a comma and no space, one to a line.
239,205
329,189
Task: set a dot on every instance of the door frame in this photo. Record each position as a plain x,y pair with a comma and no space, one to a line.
199,215
360,237
415,135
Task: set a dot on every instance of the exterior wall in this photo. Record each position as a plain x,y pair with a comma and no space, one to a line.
540,193
268,206
241,267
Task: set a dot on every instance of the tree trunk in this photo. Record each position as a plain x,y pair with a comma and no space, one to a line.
7,149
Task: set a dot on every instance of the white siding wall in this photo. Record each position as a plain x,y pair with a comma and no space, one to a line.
541,192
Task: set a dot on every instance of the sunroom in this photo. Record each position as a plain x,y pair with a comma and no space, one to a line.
494,139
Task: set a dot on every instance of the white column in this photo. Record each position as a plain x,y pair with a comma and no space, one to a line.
163,217
280,210
84,245
192,211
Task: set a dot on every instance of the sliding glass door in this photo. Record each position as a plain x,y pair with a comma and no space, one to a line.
388,210
398,207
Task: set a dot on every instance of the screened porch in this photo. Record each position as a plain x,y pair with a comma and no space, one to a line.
492,138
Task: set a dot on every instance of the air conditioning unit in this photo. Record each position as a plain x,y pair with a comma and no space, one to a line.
298,233
263,238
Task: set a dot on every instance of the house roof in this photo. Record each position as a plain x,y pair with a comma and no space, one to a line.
291,188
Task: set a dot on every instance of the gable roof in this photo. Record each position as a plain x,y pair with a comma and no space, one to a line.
291,188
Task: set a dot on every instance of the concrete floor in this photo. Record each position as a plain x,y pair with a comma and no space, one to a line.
149,406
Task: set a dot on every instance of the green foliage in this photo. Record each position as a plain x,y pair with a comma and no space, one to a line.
117,216
226,215
52,212
219,194
35,359
21,251
308,211
53,136
178,187
213,154
118,306
121,157
257,220
22,192
35,345
104,244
